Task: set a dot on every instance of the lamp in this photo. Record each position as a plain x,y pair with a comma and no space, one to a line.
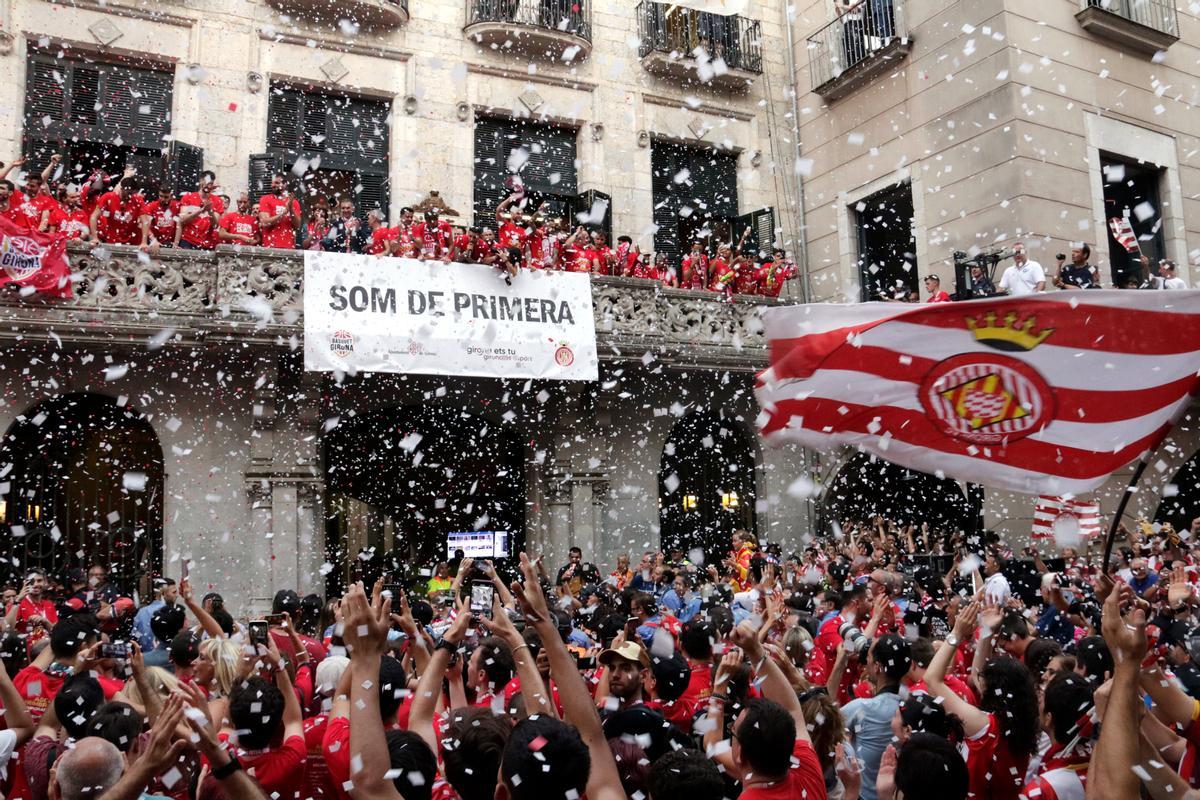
729,500
689,502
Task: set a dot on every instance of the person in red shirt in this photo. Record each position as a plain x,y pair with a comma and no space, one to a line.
626,258
720,272
511,231
433,237
115,218
602,257
383,238
576,252
240,226
159,221
279,215
10,203
745,275
695,269
37,206
545,242
71,651
70,218
933,285
773,274
32,610
855,609
391,679
483,251
199,215
404,245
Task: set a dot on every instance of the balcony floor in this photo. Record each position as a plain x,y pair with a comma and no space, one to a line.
675,67
529,40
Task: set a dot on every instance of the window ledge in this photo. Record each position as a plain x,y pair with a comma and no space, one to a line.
877,63
1143,38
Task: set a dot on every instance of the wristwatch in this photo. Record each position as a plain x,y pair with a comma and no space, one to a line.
225,770
445,644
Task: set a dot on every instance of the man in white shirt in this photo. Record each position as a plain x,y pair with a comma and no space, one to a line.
1170,279
1024,276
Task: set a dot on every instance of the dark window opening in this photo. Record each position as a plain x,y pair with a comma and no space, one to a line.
695,196
887,249
1131,191
538,156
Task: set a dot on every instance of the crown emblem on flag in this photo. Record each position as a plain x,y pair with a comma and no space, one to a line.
1007,334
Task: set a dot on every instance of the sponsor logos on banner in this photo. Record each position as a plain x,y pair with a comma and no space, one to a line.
405,315
34,260
20,257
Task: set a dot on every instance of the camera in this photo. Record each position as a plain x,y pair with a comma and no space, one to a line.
853,639
1061,257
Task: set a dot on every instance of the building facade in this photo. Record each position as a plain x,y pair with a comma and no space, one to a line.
931,127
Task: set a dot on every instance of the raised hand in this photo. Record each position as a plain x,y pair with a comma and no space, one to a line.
964,625
365,628
530,595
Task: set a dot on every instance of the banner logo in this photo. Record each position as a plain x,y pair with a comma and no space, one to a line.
987,399
20,257
341,343
564,356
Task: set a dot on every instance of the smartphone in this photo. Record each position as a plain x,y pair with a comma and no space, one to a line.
631,626
393,590
275,619
114,650
585,662
185,569
482,593
259,631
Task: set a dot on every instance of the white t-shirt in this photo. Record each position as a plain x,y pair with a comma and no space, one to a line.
1174,283
996,588
8,743
1022,280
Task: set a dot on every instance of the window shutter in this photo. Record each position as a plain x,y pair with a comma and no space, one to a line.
85,95
371,142
185,162
548,170
371,193
764,228
283,121
262,166
585,203
152,108
663,168
45,95
148,163
490,169
314,133
118,86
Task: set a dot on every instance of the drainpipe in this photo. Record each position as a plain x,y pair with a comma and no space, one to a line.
806,284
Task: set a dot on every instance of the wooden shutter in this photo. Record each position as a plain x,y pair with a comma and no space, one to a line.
152,108
490,169
284,126
371,193
185,162
45,97
262,167
148,163
548,169
85,95
761,224
663,167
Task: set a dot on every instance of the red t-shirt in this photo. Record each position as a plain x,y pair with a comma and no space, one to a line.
772,275
804,781
380,237
118,223
28,607
543,250
512,235
994,772
32,209
745,278
482,250
407,248
318,780
19,210
577,259
199,230
162,219
336,748
601,259
279,771
110,685
432,241
73,222
37,689
939,296
241,224
695,272
720,276
283,233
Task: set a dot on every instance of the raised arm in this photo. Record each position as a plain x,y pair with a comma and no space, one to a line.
205,619
16,714
604,782
974,720
429,689
774,684
1109,773
537,698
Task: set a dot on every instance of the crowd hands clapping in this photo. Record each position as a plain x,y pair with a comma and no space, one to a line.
857,668
125,209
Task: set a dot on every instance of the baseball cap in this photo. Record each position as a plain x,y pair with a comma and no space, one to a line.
671,676
630,651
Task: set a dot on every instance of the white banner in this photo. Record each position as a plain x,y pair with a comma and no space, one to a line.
372,314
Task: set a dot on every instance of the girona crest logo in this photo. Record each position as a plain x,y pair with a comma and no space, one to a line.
20,257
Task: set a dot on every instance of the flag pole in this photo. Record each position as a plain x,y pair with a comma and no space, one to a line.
1116,522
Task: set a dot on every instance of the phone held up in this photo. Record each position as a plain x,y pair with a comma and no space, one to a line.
259,632
482,592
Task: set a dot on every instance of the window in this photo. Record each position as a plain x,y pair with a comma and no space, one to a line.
694,194
542,155
1131,192
887,250
341,142
97,115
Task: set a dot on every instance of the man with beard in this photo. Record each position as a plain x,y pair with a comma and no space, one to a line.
626,666
70,218
240,226
278,215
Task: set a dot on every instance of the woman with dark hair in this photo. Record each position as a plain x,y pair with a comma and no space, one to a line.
921,713
1001,734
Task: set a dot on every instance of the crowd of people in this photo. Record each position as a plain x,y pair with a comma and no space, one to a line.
858,668
112,209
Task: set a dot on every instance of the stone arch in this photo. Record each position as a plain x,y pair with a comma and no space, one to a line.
866,486
84,476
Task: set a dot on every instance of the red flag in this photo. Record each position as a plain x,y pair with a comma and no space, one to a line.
1122,231
1042,394
1080,513
32,258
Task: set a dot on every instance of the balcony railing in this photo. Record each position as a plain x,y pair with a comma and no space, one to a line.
673,34
1146,25
255,297
860,44
549,26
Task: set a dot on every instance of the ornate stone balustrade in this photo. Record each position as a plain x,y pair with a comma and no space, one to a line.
255,295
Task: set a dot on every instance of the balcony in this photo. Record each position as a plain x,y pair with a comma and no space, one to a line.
254,297
863,43
1144,25
369,14
559,30
724,52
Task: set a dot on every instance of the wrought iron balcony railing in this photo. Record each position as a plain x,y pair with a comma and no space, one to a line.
682,34
861,43
530,24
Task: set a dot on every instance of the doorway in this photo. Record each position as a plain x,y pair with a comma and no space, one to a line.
887,248
1131,192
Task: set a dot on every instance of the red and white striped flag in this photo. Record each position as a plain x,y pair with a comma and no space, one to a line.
1122,231
1041,394
1075,514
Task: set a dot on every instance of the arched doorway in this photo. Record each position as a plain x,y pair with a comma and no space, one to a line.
706,485
399,480
867,486
85,483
